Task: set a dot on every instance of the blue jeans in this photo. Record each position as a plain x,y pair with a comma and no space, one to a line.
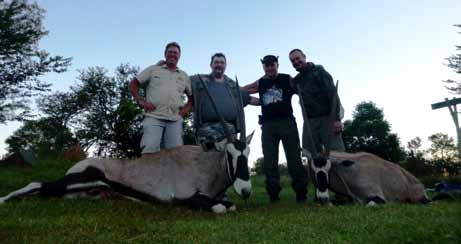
156,131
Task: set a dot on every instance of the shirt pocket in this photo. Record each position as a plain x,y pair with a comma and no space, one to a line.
156,81
181,85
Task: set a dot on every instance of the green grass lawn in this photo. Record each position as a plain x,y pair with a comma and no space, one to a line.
36,220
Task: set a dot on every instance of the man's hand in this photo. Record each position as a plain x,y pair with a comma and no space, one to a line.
160,62
255,101
183,111
338,127
147,106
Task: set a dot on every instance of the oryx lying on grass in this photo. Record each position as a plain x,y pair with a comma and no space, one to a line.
367,179
363,177
183,175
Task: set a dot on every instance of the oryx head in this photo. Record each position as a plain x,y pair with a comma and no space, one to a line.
237,151
237,160
320,161
321,166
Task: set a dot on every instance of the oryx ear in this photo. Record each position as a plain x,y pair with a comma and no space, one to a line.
250,137
323,151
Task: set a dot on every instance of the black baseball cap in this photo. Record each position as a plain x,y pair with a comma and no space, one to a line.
270,59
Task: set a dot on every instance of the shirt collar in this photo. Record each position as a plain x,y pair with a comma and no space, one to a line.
308,66
166,67
226,79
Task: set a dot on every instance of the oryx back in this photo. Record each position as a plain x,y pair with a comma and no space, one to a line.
168,175
368,176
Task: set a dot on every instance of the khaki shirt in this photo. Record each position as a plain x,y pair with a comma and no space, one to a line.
165,89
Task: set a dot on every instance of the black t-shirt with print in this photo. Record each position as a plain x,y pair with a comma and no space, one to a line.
275,97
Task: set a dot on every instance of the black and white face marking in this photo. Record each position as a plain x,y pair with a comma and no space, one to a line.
237,154
220,145
347,163
321,166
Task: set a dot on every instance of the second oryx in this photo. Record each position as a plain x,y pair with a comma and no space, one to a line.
363,177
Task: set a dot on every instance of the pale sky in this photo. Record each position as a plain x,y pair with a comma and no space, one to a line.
389,52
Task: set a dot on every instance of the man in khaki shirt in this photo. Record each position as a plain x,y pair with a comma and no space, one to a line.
163,105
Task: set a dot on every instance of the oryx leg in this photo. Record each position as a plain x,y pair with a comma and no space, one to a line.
93,182
224,199
230,206
203,202
372,195
374,201
87,180
30,189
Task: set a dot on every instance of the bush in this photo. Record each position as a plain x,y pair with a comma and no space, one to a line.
430,181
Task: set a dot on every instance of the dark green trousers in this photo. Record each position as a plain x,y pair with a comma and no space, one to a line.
286,131
321,131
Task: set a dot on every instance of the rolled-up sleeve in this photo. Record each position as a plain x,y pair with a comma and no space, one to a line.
145,75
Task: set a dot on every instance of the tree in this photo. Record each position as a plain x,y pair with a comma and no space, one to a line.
258,166
454,62
369,131
442,147
108,119
416,163
21,60
443,153
61,106
414,146
45,136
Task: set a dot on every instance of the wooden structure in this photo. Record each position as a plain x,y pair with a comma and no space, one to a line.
451,104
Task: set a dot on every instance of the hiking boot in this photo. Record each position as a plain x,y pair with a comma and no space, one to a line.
274,199
301,199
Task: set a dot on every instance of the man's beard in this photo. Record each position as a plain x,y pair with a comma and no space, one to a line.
218,73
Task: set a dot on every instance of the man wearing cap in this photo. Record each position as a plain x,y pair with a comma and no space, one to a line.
225,94
279,124
317,90
163,104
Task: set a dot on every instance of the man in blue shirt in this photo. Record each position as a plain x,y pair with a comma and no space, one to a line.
225,94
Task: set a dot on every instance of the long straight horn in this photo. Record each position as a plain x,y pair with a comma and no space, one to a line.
241,112
215,108
307,126
332,119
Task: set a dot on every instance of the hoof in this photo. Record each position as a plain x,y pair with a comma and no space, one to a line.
232,208
219,209
371,204
324,201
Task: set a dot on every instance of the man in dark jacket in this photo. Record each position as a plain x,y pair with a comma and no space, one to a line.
317,91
